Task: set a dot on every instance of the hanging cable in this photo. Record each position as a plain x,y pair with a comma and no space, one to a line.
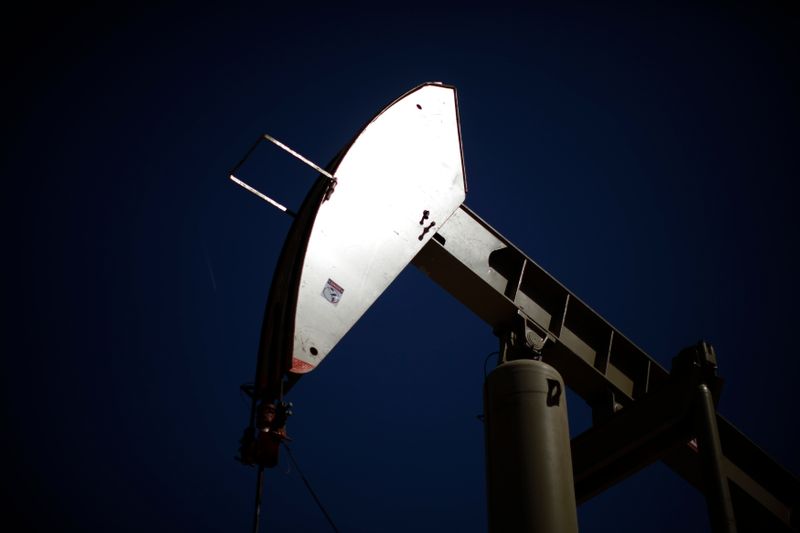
259,492
308,486
486,361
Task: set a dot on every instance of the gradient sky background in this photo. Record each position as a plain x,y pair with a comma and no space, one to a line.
646,157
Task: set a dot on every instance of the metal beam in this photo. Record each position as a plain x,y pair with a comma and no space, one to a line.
626,387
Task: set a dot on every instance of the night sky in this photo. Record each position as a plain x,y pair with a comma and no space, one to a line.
646,157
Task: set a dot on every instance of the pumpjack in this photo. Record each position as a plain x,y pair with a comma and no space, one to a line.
394,196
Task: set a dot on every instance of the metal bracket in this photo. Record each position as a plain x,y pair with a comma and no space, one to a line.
296,155
523,339
698,363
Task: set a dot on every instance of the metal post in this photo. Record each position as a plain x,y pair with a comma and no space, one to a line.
259,490
718,497
528,459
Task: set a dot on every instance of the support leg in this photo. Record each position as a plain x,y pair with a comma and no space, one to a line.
718,497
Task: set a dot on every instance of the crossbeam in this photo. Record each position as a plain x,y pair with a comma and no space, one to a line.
624,385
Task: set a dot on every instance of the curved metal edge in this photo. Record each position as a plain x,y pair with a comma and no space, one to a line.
415,89
277,330
274,353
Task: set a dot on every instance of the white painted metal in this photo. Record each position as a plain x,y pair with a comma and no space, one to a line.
258,193
403,175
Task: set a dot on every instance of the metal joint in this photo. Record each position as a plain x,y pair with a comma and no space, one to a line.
523,339
698,363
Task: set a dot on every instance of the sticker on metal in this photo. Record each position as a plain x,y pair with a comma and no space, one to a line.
332,292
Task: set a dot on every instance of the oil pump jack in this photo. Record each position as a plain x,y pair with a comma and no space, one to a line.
394,196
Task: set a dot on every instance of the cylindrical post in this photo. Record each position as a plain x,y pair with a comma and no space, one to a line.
259,490
718,497
528,459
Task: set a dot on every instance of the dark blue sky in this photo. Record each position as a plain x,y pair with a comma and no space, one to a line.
646,157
